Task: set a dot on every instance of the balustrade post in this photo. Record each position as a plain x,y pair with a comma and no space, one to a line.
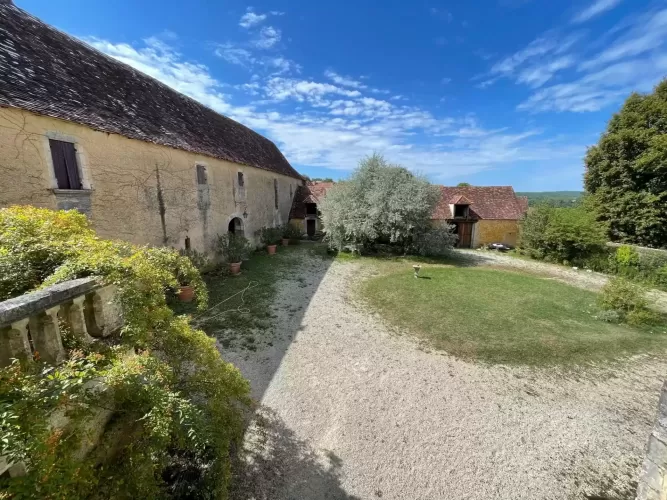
14,342
45,334
73,314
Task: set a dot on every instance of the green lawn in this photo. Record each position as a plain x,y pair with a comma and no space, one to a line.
503,317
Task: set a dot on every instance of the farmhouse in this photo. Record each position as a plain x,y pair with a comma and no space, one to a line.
147,164
481,214
305,213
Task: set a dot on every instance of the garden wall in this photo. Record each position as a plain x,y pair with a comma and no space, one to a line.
653,478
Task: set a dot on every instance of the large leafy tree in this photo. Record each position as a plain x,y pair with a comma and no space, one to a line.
626,172
380,203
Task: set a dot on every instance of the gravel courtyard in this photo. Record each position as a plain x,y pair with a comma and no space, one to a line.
352,409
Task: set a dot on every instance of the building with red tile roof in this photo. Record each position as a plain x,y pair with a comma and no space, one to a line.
304,213
482,214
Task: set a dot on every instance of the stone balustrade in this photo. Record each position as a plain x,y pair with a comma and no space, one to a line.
30,325
30,329
652,484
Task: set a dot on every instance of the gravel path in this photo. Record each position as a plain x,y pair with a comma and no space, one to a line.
579,278
353,410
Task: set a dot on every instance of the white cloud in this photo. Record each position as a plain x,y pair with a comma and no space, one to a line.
648,33
235,55
268,37
538,75
634,60
336,126
445,81
345,81
595,9
250,19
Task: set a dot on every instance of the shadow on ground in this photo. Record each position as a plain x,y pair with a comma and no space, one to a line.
275,465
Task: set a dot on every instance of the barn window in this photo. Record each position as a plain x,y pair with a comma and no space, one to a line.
202,177
275,191
460,210
187,243
65,165
240,178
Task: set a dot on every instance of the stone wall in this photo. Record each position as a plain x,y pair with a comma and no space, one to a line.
137,191
488,231
653,478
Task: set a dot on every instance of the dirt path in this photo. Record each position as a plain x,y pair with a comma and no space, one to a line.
352,410
580,278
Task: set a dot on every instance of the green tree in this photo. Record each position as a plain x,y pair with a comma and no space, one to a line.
380,203
626,172
563,234
463,184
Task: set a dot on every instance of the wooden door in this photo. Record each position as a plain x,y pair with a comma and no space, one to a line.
310,227
465,234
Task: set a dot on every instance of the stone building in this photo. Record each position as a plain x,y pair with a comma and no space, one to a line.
147,164
482,214
305,212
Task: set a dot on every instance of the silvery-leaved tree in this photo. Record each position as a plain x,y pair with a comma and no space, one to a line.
381,203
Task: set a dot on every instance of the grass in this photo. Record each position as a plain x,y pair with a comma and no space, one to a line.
503,317
245,319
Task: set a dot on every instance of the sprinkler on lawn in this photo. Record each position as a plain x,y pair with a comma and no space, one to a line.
417,268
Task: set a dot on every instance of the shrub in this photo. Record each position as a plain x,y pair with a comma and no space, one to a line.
629,301
627,256
562,234
380,203
434,242
291,232
271,235
232,247
609,316
623,296
174,398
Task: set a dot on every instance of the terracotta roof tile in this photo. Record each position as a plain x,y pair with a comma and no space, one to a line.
312,192
48,72
487,202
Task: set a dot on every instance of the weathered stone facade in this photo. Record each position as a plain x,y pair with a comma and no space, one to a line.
489,231
138,191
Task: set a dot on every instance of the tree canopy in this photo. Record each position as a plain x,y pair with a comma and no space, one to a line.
380,203
626,172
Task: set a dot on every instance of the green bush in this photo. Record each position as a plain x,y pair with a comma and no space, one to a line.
622,296
232,247
627,256
562,234
291,232
175,401
271,235
628,300
434,242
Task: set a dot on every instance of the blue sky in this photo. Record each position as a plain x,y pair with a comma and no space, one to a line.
490,92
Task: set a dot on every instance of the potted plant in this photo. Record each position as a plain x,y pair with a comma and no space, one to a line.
186,292
233,248
270,237
290,232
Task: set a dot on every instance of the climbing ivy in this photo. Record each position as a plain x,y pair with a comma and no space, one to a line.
174,405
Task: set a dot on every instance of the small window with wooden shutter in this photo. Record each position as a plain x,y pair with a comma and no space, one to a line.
241,179
65,165
275,191
202,177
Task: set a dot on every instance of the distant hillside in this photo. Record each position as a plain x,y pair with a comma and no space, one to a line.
556,198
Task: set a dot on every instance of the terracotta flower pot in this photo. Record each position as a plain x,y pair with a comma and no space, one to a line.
186,293
271,249
235,268
285,242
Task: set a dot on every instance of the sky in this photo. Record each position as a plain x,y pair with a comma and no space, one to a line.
490,92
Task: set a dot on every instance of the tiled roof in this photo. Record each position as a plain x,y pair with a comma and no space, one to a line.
48,72
312,192
460,200
486,202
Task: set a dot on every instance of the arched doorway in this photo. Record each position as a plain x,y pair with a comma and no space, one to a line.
236,226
